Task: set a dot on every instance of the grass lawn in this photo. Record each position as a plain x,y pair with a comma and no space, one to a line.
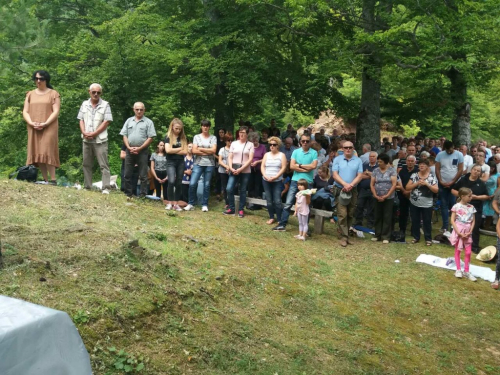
206,294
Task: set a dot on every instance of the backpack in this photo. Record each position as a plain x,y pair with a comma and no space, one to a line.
397,236
27,173
442,239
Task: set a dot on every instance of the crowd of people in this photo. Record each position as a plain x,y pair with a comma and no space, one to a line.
382,186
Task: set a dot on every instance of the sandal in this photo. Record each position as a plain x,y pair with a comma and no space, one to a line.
414,241
428,243
270,221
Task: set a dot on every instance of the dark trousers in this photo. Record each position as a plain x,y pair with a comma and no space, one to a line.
224,178
365,202
424,214
383,219
185,193
175,171
475,231
404,210
255,187
158,187
141,159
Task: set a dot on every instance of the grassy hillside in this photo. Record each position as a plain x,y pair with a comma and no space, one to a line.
206,294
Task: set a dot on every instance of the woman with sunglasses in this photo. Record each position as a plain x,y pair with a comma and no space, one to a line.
41,110
273,166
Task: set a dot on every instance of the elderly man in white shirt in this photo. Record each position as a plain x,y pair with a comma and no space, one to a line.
468,160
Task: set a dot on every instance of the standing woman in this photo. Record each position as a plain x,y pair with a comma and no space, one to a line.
272,168
224,165
176,149
383,185
240,157
41,109
159,170
422,185
255,183
204,147
474,182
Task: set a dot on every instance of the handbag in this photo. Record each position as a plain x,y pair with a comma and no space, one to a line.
27,173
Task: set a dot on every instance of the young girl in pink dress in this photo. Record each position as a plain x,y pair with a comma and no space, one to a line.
302,202
462,220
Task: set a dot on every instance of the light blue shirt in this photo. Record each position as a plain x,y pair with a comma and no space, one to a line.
302,157
348,169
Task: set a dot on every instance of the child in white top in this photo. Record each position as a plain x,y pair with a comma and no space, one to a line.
302,201
462,220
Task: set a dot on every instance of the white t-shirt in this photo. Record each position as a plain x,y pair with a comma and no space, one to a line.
468,163
202,142
449,164
241,153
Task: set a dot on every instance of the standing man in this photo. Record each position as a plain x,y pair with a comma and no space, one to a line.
468,160
449,168
138,133
95,116
365,195
347,173
303,163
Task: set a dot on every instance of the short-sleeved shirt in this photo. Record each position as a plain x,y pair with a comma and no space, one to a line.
383,181
348,169
188,164
202,142
422,196
449,164
241,153
365,184
478,187
468,163
225,155
258,152
304,157
464,212
160,161
138,131
176,144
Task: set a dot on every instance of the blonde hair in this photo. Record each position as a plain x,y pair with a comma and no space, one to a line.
182,135
274,139
463,192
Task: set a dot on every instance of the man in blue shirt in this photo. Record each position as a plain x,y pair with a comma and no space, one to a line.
347,173
303,163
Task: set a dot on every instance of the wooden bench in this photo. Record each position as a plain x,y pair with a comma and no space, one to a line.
319,215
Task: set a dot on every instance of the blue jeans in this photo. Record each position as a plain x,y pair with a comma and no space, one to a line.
447,202
193,184
233,179
273,197
290,200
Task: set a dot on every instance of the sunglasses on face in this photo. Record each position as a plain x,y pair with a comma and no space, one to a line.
42,79
305,141
348,148
95,92
273,144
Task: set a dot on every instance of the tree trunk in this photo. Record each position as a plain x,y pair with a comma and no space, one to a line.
460,125
368,122
224,112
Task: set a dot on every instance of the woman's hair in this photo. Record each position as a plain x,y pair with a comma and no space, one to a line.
45,75
158,147
253,136
463,192
424,154
182,135
493,166
324,168
303,182
228,137
477,165
277,140
424,161
385,158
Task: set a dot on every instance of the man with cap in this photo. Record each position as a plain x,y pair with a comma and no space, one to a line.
347,173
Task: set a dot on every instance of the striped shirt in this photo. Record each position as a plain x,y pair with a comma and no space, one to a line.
273,165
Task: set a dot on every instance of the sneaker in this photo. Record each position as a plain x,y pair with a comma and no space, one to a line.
53,182
302,238
442,230
241,213
42,182
105,191
297,236
189,207
459,274
374,239
204,209
177,208
228,212
469,276
385,242
168,207
279,228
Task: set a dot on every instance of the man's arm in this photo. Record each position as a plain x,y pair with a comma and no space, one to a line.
459,173
145,144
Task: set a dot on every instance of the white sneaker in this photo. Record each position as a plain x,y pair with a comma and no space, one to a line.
374,239
189,207
168,207
105,191
469,276
204,209
42,182
177,208
459,274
